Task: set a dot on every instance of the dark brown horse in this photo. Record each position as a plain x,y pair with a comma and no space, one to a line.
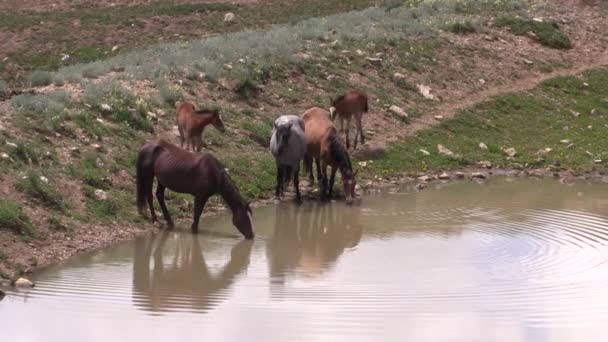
198,174
326,148
347,106
191,123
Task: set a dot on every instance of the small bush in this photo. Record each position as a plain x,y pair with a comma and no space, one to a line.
125,107
54,102
5,91
24,153
34,187
548,33
170,94
58,80
462,27
55,223
91,174
41,78
95,70
13,218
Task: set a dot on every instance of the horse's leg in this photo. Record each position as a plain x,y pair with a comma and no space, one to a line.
199,142
287,177
308,166
347,130
319,175
360,128
324,181
277,193
296,183
199,204
332,179
149,187
160,196
181,136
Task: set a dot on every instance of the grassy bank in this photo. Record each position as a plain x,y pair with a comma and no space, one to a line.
559,125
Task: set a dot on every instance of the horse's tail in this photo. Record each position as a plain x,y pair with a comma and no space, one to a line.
307,163
365,105
145,175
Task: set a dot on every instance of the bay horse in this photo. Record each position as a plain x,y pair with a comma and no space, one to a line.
288,147
192,122
325,146
347,106
198,174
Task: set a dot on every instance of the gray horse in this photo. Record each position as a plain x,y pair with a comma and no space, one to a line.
288,146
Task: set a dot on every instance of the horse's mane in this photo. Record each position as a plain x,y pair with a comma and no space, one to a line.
230,193
338,99
340,154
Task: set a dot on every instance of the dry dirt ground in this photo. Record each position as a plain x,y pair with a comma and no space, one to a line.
498,58
49,5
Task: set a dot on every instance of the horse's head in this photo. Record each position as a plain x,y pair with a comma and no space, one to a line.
217,122
349,186
283,133
242,218
332,108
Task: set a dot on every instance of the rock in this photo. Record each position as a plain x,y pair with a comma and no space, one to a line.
565,141
482,81
444,176
597,161
438,117
3,155
459,174
97,147
483,146
374,60
585,84
65,57
105,108
425,152
359,52
575,114
485,164
532,35
426,92
399,111
99,163
589,153
100,195
421,186
229,17
44,180
114,48
74,150
479,175
23,283
529,62
445,151
570,145
363,164
11,144
510,152
538,20
398,76
424,179
596,112
151,115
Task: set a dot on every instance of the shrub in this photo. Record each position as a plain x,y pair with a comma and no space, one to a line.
34,187
13,218
548,33
58,80
41,78
53,102
169,94
462,27
24,153
5,91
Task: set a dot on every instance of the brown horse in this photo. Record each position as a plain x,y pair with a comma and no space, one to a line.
353,103
326,148
191,123
198,174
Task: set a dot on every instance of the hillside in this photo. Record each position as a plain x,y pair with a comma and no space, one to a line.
511,74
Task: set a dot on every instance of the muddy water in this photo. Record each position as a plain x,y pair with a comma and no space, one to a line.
521,260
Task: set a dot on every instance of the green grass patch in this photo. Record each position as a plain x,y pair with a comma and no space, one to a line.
13,218
528,122
42,191
462,27
548,33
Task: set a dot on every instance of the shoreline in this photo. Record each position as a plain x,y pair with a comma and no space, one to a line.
57,254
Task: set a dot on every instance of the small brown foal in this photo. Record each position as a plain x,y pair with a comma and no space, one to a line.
192,122
353,103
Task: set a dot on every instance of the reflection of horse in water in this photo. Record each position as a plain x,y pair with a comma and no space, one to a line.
178,276
311,238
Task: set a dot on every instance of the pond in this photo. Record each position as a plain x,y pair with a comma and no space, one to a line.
506,260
